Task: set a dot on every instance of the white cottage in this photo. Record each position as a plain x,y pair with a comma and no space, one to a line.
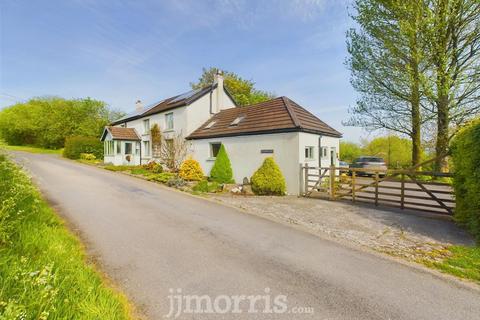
210,117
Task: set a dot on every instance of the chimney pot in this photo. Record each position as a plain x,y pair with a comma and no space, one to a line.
219,90
138,106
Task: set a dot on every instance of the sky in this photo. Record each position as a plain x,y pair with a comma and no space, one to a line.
124,50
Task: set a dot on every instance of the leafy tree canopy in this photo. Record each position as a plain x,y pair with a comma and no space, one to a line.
393,149
349,151
46,122
242,90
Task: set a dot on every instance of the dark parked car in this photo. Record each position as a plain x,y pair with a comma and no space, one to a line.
371,163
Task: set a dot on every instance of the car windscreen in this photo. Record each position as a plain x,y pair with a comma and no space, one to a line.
372,159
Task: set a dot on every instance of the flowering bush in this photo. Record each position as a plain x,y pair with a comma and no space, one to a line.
190,170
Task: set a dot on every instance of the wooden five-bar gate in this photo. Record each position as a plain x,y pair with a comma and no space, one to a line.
405,189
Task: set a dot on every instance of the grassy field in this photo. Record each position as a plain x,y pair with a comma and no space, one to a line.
44,272
32,149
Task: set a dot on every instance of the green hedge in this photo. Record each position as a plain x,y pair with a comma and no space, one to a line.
222,169
75,146
465,149
268,179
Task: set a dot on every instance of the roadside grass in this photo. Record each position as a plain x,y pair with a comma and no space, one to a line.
460,261
119,168
32,149
44,272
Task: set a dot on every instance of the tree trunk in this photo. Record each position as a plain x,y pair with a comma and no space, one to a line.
415,93
443,86
416,117
441,147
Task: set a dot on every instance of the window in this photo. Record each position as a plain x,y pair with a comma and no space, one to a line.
169,121
333,156
208,126
119,147
214,148
146,148
237,120
128,148
137,148
146,126
309,152
324,152
109,148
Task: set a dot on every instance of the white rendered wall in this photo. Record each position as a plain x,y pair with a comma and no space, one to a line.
246,157
316,141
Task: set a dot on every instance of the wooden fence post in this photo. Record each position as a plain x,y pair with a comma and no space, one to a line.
402,192
306,178
302,183
332,183
376,188
353,185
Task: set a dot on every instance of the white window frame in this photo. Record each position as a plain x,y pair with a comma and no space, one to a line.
309,153
146,148
137,148
125,148
146,126
169,121
324,153
109,148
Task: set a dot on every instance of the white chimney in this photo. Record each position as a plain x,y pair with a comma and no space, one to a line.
219,91
139,106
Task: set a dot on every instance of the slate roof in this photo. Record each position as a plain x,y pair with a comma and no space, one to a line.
170,103
120,133
273,116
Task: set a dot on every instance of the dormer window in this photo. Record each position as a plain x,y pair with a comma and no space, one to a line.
208,126
237,120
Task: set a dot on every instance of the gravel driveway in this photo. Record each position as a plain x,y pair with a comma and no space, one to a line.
401,233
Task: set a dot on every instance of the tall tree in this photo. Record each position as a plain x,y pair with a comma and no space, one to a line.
454,53
387,69
243,91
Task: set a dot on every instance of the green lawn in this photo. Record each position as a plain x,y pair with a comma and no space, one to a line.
460,261
33,149
44,272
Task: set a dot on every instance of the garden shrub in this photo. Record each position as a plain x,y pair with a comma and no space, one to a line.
190,170
222,169
205,186
268,179
176,182
87,156
161,177
153,167
465,150
75,146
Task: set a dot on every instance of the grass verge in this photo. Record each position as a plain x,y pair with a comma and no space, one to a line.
43,269
33,149
460,261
